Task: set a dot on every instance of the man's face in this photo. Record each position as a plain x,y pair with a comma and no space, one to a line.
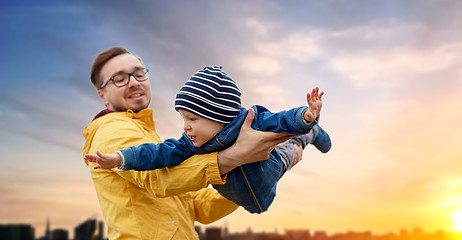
135,95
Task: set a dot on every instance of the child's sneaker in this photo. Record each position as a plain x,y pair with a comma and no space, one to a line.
322,140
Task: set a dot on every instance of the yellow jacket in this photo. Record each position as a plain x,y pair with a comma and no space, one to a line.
159,204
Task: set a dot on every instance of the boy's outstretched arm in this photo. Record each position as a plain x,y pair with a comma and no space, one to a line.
314,101
106,161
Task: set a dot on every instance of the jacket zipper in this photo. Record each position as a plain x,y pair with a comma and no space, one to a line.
246,179
251,190
218,141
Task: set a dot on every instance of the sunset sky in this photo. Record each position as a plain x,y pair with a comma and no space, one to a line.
391,72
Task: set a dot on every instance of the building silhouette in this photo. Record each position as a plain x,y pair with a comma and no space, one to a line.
59,234
297,234
85,230
320,235
88,230
213,233
48,230
16,232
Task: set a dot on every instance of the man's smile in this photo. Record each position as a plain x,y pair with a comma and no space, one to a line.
136,94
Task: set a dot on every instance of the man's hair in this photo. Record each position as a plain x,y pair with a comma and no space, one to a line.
101,60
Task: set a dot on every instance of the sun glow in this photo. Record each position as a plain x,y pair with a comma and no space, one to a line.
457,220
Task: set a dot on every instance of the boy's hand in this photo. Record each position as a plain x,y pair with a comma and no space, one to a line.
314,101
105,161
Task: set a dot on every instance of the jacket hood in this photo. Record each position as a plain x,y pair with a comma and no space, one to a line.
106,116
102,113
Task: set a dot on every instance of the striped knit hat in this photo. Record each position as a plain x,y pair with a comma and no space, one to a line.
212,94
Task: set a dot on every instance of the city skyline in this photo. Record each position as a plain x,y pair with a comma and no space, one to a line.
83,231
94,227
390,70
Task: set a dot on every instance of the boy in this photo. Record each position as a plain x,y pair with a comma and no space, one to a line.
211,108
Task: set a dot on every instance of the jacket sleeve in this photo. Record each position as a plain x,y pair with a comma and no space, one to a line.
210,206
150,156
290,121
191,175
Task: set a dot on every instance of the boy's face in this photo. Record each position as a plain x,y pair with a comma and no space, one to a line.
200,130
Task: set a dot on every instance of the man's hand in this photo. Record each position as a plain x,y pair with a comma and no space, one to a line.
250,146
314,101
105,161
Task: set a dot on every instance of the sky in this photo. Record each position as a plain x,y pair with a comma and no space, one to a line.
391,72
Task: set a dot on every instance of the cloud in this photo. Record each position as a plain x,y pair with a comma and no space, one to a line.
261,65
275,55
47,118
396,66
390,52
387,53
258,28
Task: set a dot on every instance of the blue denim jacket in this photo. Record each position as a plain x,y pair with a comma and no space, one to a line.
253,185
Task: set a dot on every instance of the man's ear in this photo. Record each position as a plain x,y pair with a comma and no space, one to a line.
103,97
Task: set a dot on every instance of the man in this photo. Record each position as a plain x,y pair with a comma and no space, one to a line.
164,203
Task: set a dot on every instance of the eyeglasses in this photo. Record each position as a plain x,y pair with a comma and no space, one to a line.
123,79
